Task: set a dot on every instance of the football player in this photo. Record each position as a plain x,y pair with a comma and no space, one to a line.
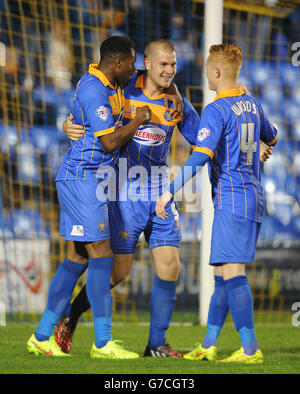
98,103
229,140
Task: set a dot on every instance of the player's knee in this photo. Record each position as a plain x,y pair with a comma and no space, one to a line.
169,268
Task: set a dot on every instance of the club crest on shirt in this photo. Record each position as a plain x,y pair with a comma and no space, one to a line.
124,235
167,115
102,113
101,227
202,134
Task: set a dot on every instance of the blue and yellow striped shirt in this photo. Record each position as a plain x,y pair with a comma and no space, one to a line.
230,131
98,106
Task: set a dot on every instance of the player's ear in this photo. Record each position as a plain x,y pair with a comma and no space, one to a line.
147,63
218,72
118,62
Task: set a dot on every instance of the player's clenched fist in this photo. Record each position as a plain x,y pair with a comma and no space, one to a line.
144,113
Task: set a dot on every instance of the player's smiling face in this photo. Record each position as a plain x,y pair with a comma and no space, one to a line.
161,68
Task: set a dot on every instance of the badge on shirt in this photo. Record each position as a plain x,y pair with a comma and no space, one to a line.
102,113
202,134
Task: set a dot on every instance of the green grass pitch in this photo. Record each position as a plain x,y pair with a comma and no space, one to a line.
280,344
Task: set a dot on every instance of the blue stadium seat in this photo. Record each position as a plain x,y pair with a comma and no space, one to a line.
291,110
262,72
295,129
8,140
45,94
26,224
289,74
296,163
46,140
281,125
295,92
272,93
271,183
51,104
191,226
29,169
296,226
275,166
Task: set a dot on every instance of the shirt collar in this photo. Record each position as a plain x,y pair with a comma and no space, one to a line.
140,84
99,74
230,93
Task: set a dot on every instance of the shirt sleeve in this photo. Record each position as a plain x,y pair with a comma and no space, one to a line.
97,110
210,131
268,132
195,161
190,122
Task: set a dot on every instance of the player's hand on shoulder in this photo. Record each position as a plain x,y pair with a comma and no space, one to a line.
265,151
173,95
143,113
73,131
244,88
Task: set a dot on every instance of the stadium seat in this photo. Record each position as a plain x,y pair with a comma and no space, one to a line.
295,129
272,93
8,139
261,73
26,224
291,111
273,230
281,125
46,141
191,225
289,74
295,92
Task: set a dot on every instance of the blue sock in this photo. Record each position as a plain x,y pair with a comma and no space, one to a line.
60,294
98,292
241,308
218,309
162,304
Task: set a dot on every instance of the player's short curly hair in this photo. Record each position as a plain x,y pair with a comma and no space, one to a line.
116,46
228,55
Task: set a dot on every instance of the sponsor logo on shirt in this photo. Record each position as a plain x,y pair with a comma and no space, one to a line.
202,134
102,113
150,135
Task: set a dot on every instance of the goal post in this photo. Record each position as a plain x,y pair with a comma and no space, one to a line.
213,34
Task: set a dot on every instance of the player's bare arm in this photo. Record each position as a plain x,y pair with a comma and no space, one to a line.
121,135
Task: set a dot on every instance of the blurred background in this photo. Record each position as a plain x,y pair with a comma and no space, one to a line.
48,45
